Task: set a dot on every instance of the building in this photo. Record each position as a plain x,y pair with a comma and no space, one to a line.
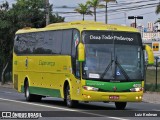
154,36
133,25
151,32
150,26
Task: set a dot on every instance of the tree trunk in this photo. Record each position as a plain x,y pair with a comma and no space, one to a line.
95,17
83,17
3,71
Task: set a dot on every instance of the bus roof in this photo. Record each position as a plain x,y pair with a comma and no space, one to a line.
80,25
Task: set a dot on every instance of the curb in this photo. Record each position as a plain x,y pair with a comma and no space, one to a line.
7,85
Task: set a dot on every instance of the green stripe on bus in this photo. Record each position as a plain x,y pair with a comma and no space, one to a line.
110,86
43,91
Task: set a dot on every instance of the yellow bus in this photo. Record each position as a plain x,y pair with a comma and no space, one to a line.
80,61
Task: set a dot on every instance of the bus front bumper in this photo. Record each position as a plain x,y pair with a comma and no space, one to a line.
112,96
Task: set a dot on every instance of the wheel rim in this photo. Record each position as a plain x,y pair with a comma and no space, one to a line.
27,92
68,96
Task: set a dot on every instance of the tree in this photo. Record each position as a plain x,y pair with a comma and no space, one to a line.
6,34
158,9
95,4
31,13
24,13
157,12
83,9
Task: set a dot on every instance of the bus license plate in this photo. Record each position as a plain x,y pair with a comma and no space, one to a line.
114,97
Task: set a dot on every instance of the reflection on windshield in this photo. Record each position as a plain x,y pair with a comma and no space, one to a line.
102,63
97,58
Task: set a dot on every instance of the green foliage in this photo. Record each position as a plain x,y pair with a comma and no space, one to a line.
83,9
151,76
5,30
152,88
151,80
31,13
158,9
94,4
24,13
157,12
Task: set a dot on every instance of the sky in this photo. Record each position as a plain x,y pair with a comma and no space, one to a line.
117,12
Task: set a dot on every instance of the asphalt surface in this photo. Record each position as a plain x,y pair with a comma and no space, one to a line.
53,108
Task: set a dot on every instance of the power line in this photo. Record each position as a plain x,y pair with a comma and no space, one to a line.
119,4
130,8
123,17
126,9
131,3
137,15
118,9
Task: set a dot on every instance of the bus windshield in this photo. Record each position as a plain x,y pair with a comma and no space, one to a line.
111,58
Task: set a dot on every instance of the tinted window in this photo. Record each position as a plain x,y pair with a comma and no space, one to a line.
25,43
41,44
50,42
66,44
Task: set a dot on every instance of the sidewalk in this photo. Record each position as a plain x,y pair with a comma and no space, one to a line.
150,97
7,85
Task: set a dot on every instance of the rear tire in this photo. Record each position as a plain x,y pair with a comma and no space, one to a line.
120,105
30,97
70,103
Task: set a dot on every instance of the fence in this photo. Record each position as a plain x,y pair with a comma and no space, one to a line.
152,78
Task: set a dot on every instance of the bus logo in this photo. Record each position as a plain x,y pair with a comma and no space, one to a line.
114,88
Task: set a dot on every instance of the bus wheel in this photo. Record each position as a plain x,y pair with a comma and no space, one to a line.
30,97
69,102
120,105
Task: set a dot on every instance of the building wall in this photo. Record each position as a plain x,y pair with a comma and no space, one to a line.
150,26
155,36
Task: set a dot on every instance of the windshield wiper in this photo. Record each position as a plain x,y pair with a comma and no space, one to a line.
107,68
121,68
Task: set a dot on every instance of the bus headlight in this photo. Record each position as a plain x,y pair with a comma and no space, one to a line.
89,88
138,89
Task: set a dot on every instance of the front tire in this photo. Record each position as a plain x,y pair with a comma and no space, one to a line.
120,105
70,103
30,97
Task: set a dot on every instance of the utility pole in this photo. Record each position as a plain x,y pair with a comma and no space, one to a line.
125,17
135,18
106,13
47,12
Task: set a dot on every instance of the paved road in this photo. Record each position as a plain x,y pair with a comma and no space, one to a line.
10,100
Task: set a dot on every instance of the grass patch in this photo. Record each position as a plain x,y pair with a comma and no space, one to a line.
151,80
151,76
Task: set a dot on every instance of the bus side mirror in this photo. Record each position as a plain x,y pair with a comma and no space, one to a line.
150,54
81,52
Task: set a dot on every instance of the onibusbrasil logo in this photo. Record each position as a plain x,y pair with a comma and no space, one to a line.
20,115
